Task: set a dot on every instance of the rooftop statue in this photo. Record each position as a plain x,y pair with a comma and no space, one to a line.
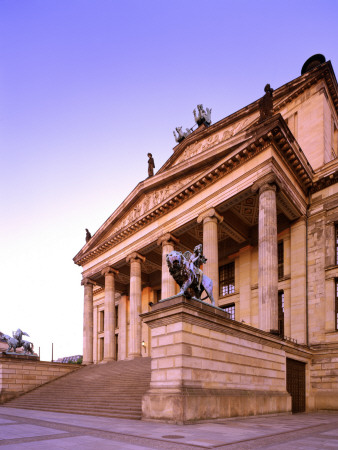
151,165
204,115
184,268
266,104
88,235
181,134
16,341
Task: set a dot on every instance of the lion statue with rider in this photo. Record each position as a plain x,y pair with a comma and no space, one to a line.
185,269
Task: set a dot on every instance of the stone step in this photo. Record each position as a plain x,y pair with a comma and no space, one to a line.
114,389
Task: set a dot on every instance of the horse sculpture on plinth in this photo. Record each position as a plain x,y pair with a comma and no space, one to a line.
184,268
16,341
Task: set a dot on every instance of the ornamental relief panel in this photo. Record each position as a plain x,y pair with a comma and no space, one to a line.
195,149
150,201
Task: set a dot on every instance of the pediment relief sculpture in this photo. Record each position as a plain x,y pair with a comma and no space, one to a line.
217,138
148,202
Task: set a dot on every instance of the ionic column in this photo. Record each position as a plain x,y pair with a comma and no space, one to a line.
123,327
267,259
168,285
135,260
211,219
88,321
109,314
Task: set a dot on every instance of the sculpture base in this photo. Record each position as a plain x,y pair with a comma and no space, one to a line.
23,356
206,366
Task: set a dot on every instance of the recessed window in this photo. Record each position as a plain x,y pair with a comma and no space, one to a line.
116,316
280,259
101,321
227,279
230,309
336,242
336,305
281,313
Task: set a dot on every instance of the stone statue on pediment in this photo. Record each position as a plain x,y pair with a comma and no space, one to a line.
203,116
151,165
266,104
88,235
181,134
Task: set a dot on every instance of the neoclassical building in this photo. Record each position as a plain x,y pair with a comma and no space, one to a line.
259,190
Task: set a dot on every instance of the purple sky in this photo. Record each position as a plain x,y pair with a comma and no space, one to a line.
87,89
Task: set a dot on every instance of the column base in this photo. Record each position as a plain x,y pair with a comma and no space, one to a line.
134,355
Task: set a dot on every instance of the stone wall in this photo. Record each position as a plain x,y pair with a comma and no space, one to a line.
19,375
324,377
206,366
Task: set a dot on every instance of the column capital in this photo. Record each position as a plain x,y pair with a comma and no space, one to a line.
87,282
210,214
109,270
268,180
134,257
166,239
267,187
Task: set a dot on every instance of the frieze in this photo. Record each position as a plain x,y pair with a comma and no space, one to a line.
150,201
195,149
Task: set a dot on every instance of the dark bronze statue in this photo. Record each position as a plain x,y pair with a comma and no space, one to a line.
16,341
151,165
184,268
266,104
88,235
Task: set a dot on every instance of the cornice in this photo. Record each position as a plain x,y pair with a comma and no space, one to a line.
273,131
325,181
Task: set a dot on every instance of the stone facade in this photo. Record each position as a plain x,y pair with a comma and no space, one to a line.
262,198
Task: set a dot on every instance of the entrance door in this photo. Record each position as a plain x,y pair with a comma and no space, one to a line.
295,384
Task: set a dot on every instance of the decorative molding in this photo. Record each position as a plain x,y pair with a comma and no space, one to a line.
109,271
88,282
210,214
135,257
167,239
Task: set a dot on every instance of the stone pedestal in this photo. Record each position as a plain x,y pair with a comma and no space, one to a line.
109,314
210,220
206,366
135,260
88,321
168,286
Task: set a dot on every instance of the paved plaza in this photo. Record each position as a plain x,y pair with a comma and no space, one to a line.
32,430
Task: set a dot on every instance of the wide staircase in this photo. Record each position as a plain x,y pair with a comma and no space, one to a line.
114,389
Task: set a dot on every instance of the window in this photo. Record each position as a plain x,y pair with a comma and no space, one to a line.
101,321
336,306
227,279
230,309
336,242
116,316
280,259
281,313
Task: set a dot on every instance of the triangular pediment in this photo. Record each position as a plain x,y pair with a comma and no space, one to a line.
140,204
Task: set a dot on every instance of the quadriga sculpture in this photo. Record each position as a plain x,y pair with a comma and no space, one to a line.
183,267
